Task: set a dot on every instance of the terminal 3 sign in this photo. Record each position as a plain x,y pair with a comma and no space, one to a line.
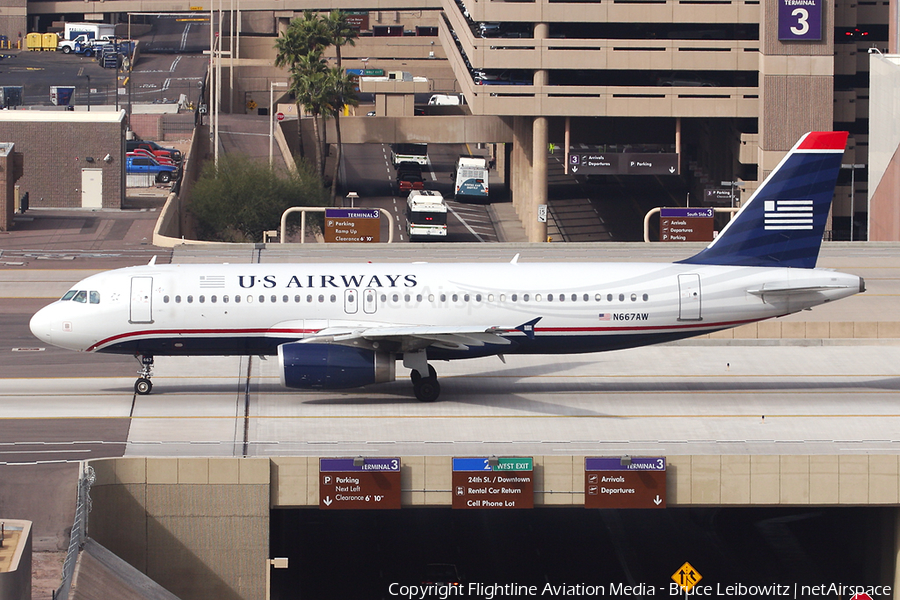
623,163
348,483
616,482
360,225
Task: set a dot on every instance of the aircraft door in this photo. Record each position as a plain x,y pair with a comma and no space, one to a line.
370,301
351,301
689,297
141,300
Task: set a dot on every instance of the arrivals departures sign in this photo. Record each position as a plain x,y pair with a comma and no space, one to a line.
614,482
686,224
507,484
347,483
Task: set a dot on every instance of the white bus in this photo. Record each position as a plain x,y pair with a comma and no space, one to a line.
426,216
409,153
471,178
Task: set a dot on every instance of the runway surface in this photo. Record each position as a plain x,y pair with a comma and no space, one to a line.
699,398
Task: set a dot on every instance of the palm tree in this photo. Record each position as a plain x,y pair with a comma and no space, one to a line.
343,93
341,32
310,85
299,48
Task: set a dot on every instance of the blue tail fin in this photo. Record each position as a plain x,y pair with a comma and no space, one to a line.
782,223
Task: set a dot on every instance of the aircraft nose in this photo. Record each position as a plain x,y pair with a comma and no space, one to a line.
41,325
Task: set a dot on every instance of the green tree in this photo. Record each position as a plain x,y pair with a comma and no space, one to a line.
319,90
299,48
243,198
341,33
310,85
342,92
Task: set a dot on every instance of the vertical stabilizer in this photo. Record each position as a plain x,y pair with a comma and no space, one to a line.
782,223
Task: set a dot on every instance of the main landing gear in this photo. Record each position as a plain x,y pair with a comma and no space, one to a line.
143,386
426,387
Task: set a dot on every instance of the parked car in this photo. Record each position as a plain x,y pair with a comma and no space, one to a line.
163,160
143,164
156,149
688,80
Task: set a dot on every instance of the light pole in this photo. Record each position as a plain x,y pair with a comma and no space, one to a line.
352,197
734,184
853,169
272,86
278,563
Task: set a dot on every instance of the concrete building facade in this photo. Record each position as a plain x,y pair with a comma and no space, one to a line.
71,159
726,83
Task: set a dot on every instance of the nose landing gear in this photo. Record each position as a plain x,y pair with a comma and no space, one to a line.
143,386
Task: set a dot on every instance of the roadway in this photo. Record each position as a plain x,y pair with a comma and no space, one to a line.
700,398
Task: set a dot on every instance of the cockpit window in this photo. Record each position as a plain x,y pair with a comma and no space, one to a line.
80,296
69,294
95,297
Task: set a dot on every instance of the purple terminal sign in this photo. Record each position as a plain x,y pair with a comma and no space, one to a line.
351,213
683,213
368,464
614,463
800,20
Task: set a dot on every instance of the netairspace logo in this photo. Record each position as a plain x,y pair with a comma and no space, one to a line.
492,591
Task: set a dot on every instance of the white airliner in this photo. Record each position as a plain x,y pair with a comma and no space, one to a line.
345,325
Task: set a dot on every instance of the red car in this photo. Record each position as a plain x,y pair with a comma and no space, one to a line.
153,148
163,160
410,180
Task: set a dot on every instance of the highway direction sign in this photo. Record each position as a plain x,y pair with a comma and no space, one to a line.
348,483
493,482
686,224
614,482
352,225
623,163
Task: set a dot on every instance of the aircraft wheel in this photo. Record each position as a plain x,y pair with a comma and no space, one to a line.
427,389
142,386
416,378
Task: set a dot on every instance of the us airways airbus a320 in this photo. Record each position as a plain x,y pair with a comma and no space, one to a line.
346,325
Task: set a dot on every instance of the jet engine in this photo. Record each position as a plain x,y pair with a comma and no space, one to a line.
332,366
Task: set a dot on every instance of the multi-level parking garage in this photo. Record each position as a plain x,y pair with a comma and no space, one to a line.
717,80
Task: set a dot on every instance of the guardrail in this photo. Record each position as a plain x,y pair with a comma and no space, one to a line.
86,478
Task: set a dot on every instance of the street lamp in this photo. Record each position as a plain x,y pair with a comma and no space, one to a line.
278,563
352,197
272,86
853,169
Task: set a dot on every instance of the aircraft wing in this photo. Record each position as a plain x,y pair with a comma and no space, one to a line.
414,337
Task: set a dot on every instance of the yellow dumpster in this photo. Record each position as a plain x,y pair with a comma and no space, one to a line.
49,42
34,41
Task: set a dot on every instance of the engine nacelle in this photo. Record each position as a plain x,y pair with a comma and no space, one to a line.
332,366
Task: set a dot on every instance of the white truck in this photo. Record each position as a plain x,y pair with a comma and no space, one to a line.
426,216
83,37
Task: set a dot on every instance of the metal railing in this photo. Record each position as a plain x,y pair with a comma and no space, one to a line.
86,478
